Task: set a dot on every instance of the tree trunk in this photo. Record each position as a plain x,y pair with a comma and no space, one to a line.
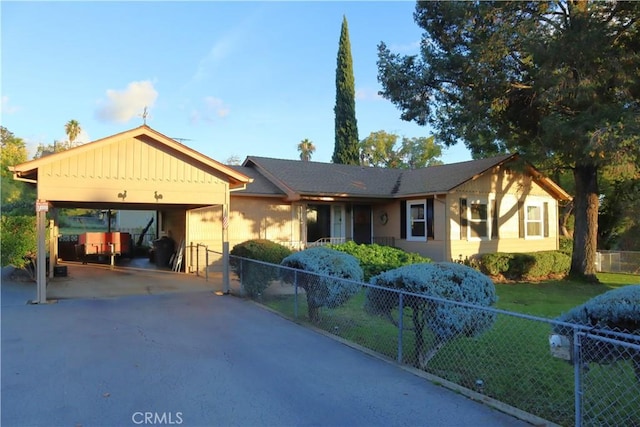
564,219
585,236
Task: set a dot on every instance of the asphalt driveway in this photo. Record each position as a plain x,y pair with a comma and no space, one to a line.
199,359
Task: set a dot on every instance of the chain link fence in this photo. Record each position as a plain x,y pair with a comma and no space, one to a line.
536,368
618,262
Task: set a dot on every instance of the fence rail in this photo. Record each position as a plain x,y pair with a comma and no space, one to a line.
563,373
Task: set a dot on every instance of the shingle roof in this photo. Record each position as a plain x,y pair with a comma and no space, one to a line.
300,178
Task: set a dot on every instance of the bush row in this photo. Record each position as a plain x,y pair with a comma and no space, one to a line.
525,266
375,259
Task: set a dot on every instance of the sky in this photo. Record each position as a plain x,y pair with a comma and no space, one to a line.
228,79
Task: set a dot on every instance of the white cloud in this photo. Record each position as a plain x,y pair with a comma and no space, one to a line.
408,48
123,105
211,109
6,107
367,94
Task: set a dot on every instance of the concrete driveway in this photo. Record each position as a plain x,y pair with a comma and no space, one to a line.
199,359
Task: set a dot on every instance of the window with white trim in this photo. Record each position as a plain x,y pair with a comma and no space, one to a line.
419,222
533,220
478,220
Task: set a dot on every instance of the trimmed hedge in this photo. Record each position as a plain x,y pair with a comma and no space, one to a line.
326,288
446,321
375,259
255,276
525,266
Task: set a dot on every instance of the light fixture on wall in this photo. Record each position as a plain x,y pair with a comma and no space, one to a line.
122,195
157,196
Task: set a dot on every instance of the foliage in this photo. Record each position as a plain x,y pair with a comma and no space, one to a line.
306,149
446,321
525,266
346,125
553,80
19,240
618,223
616,310
14,152
72,129
18,198
257,276
566,245
326,287
382,149
375,259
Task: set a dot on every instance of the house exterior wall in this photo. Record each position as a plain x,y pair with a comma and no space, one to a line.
142,169
508,189
249,218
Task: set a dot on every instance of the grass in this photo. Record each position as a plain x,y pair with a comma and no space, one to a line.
554,297
511,362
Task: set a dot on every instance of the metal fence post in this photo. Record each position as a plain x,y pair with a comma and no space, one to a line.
577,381
206,268
197,259
400,325
295,294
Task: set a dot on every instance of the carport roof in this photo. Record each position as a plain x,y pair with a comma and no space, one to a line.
28,171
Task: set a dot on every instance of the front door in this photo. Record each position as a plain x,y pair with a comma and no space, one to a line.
362,224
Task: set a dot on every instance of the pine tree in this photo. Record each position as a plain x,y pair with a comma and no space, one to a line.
346,127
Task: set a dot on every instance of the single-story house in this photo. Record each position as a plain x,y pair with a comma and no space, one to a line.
443,212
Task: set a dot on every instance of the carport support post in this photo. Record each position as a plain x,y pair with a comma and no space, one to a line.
225,246
41,262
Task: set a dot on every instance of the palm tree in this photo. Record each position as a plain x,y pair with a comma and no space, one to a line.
306,149
72,129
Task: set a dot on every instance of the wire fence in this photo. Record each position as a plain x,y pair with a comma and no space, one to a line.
538,369
618,262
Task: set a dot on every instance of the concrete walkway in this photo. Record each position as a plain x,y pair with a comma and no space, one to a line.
198,359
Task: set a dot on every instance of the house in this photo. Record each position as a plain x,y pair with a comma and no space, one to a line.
442,212
445,212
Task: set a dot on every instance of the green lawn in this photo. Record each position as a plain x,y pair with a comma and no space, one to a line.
512,361
554,297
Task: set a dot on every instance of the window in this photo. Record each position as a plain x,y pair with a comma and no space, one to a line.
534,219
419,220
478,220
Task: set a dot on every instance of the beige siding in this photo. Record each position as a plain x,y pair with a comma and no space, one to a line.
204,227
507,189
254,218
134,165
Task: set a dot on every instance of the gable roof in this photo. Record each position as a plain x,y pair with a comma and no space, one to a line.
297,179
29,170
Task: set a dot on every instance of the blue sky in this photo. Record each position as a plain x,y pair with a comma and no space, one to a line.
226,78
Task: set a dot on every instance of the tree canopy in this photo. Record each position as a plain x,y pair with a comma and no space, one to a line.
306,149
384,150
346,125
556,81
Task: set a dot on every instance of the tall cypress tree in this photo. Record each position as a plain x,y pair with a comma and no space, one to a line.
346,127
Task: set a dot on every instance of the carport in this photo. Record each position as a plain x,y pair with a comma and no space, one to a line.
139,169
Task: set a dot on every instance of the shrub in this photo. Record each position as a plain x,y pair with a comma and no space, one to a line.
525,266
19,241
375,259
446,280
616,310
566,245
256,276
324,288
